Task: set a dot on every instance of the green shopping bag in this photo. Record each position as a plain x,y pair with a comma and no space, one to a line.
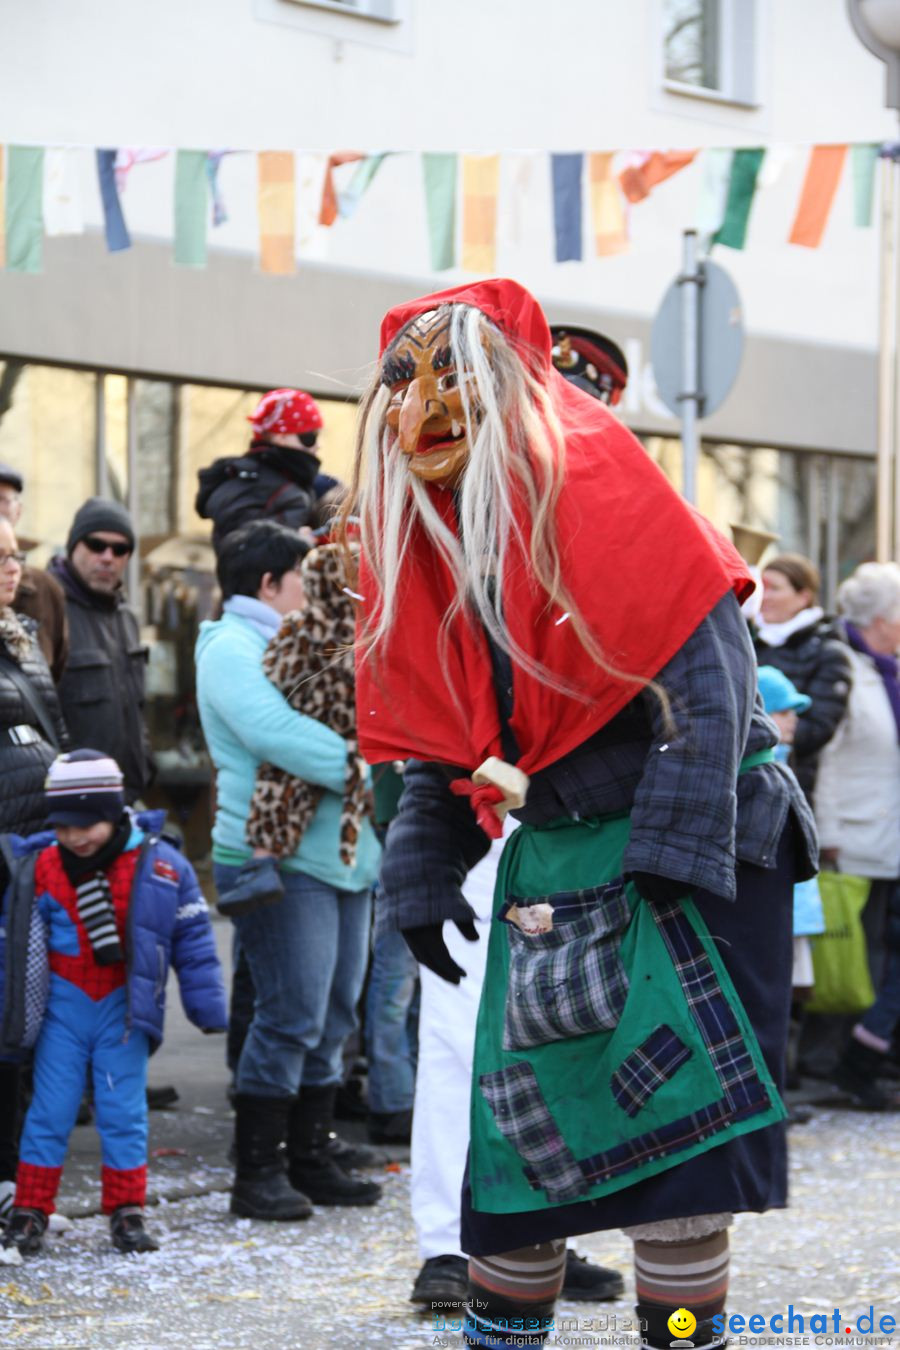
840,961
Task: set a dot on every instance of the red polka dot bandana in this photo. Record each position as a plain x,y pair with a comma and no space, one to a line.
286,412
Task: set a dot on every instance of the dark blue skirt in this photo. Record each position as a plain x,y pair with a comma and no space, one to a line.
755,936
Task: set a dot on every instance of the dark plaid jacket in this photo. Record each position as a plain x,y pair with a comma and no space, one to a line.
693,818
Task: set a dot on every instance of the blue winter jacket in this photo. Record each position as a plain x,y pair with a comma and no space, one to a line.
168,924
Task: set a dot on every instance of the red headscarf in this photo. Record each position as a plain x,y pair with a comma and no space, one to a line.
642,566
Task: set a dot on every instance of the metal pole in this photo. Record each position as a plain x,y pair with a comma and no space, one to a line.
132,496
101,468
832,533
887,328
690,398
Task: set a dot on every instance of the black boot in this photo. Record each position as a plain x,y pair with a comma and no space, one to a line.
126,1228
261,1190
311,1164
658,1334
857,1074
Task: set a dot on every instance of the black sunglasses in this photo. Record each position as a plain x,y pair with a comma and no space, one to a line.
101,545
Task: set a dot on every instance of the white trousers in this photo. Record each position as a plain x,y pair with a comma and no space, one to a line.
447,1014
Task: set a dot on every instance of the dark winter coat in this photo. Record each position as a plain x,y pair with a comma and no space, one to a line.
102,689
816,659
693,817
23,768
270,484
168,924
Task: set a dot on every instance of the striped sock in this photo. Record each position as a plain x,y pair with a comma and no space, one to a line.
690,1274
512,1295
96,911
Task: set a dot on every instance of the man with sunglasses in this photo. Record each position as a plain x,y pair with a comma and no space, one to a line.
102,690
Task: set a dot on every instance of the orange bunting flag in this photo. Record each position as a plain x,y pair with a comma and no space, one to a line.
639,180
607,211
823,173
481,177
275,205
328,212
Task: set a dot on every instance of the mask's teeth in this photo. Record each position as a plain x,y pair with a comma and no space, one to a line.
455,428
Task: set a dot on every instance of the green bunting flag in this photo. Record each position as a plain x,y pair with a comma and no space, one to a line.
440,205
24,209
744,172
863,159
191,203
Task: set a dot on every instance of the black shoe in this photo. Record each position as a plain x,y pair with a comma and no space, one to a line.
261,1190
586,1283
857,1074
312,1166
126,1228
443,1282
25,1231
390,1127
161,1098
801,1113
257,883
352,1156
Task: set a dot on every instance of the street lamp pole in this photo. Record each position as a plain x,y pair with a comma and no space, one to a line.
877,25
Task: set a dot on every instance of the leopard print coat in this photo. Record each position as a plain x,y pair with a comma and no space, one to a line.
310,659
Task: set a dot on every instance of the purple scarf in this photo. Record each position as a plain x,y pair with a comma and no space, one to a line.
884,664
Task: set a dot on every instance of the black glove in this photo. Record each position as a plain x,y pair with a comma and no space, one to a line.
660,890
429,948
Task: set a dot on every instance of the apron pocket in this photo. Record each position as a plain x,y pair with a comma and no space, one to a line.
570,981
654,1062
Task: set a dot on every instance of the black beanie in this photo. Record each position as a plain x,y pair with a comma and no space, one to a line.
98,513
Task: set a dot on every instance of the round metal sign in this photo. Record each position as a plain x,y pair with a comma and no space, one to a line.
720,330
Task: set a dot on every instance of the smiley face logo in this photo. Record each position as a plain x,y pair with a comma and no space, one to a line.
682,1323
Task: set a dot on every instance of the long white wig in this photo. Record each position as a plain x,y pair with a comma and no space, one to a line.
515,437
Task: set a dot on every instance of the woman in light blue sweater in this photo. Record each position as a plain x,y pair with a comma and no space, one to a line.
306,953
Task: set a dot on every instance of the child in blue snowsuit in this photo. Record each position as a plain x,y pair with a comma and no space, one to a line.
93,918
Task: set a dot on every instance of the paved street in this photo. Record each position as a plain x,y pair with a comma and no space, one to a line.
343,1278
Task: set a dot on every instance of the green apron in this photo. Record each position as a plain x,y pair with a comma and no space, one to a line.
609,1049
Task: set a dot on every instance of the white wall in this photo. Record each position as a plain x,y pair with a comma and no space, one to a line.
463,75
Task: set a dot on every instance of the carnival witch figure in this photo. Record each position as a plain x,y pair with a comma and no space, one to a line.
547,628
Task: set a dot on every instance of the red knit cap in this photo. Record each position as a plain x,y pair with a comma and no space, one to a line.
286,412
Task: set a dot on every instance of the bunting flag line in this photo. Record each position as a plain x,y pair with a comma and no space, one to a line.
481,175
349,200
863,161
715,179
745,166
440,175
567,171
607,212
275,206
62,193
639,180
117,236
191,189
328,212
213,165
24,209
823,173
2,210
128,156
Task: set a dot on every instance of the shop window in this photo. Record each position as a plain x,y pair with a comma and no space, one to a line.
47,433
709,48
